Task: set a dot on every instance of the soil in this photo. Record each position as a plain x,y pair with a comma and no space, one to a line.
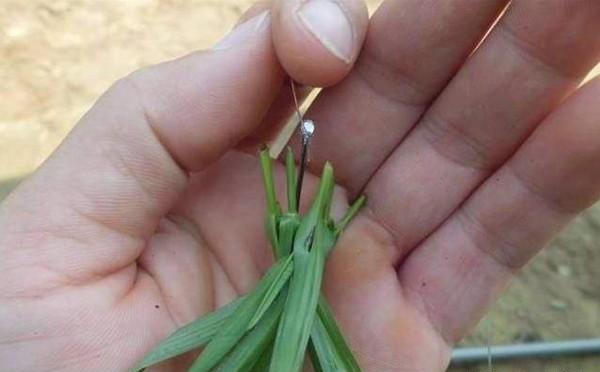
57,57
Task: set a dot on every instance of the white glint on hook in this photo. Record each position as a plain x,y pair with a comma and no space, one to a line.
307,128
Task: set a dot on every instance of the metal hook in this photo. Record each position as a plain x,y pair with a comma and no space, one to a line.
307,129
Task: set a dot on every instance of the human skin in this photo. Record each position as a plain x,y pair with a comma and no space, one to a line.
150,213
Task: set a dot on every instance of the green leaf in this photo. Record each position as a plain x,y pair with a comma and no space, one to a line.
237,324
265,359
310,244
323,351
240,335
248,351
319,360
300,308
328,240
273,207
288,225
291,178
350,214
191,336
315,215
273,291
271,227
330,347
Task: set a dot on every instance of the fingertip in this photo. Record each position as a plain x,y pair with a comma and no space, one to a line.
318,41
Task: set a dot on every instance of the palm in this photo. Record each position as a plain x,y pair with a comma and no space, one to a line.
209,251
206,252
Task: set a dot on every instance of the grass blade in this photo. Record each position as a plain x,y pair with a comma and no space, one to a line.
288,224
266,165
237,324
300,308
350,214
273,291
322,355
329,343
299,312
314,216
271,224
291,178
310,243
191,336
249,350
239,337
265,359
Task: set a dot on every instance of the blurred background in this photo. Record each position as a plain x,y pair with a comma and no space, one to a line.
57,57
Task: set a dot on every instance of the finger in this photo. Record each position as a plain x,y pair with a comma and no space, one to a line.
411,51
361,283
458,271
90,208
303,34
516,77
317,41
319,22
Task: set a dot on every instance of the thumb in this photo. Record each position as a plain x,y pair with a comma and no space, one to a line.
318,41
89,209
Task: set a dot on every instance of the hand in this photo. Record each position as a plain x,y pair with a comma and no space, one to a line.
149,214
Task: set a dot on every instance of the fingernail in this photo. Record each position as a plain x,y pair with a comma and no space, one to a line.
244,31
329,23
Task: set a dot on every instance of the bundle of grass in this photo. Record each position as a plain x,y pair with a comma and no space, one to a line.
272,327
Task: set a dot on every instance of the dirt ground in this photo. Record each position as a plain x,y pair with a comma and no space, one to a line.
56,57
